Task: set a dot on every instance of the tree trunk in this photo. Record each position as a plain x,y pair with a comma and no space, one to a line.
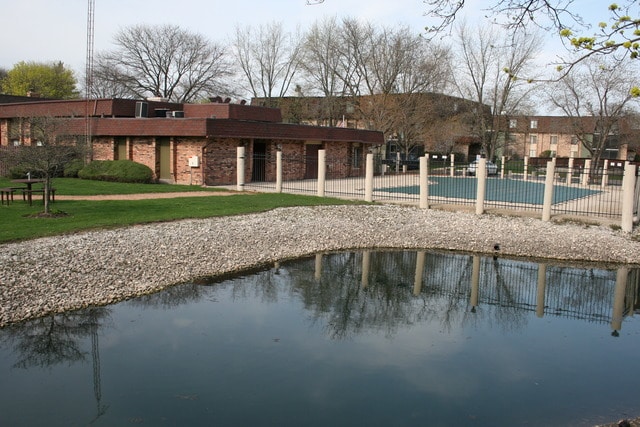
47,187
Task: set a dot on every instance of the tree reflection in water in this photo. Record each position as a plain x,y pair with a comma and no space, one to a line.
56,339
368,292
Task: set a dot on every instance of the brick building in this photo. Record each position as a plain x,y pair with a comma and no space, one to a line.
192,143
557,136
432,122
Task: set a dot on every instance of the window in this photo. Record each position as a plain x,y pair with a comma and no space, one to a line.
356,158
532,152
534,124
16,142
574,140
533,139
513,123
554,139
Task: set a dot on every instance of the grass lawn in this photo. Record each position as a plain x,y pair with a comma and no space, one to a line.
18,223
83,187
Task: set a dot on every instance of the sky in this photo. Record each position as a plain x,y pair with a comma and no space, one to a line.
46,30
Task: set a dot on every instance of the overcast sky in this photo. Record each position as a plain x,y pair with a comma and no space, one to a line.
47,30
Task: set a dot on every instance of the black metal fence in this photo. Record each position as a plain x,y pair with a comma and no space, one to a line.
578,190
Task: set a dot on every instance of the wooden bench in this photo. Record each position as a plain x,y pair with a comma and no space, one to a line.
8,194
27,194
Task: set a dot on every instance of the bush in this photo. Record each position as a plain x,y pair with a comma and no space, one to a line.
72,168
117,171
21,171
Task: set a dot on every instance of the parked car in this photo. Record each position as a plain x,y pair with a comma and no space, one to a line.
492,168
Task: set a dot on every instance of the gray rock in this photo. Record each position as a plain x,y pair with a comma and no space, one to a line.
61,273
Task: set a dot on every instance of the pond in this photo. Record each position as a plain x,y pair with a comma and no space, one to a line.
373,338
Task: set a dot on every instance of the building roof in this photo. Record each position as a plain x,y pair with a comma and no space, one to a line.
123,117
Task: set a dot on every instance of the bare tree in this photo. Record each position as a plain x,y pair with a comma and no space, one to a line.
617,33
596,95
269,59
321,60
356,50
395,68
49,148
513,14
162,61
484,54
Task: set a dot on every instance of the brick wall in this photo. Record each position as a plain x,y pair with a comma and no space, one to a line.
185,149
219,162
103,149
218,158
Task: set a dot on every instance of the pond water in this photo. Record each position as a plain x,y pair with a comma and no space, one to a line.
357,338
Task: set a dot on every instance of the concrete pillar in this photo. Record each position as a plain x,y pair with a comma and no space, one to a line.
279,171
452,171
618,298
548,192
542,285
318,268
481,175
322,172
240,169
475,283
424,182
605,174
503,160
585,172
570,172
526,168
417,280
366,267
628,191
368,179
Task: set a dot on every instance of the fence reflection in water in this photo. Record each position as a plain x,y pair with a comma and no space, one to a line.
470,283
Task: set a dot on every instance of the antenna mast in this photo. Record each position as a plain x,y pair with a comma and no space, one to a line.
89,70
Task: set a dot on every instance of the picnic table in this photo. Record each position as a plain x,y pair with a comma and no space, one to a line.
28,190
7,193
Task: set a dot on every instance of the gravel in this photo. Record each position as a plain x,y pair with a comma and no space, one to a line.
56,274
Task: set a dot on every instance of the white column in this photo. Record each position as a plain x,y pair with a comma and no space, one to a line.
481,176
542,284
618,298
317,274
628,190
570,172
452,172
605,174
366,266
417,280
322,172
548,192
279,171
368,179
526,168
585,172
503,160
424,182
240,169
475,282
